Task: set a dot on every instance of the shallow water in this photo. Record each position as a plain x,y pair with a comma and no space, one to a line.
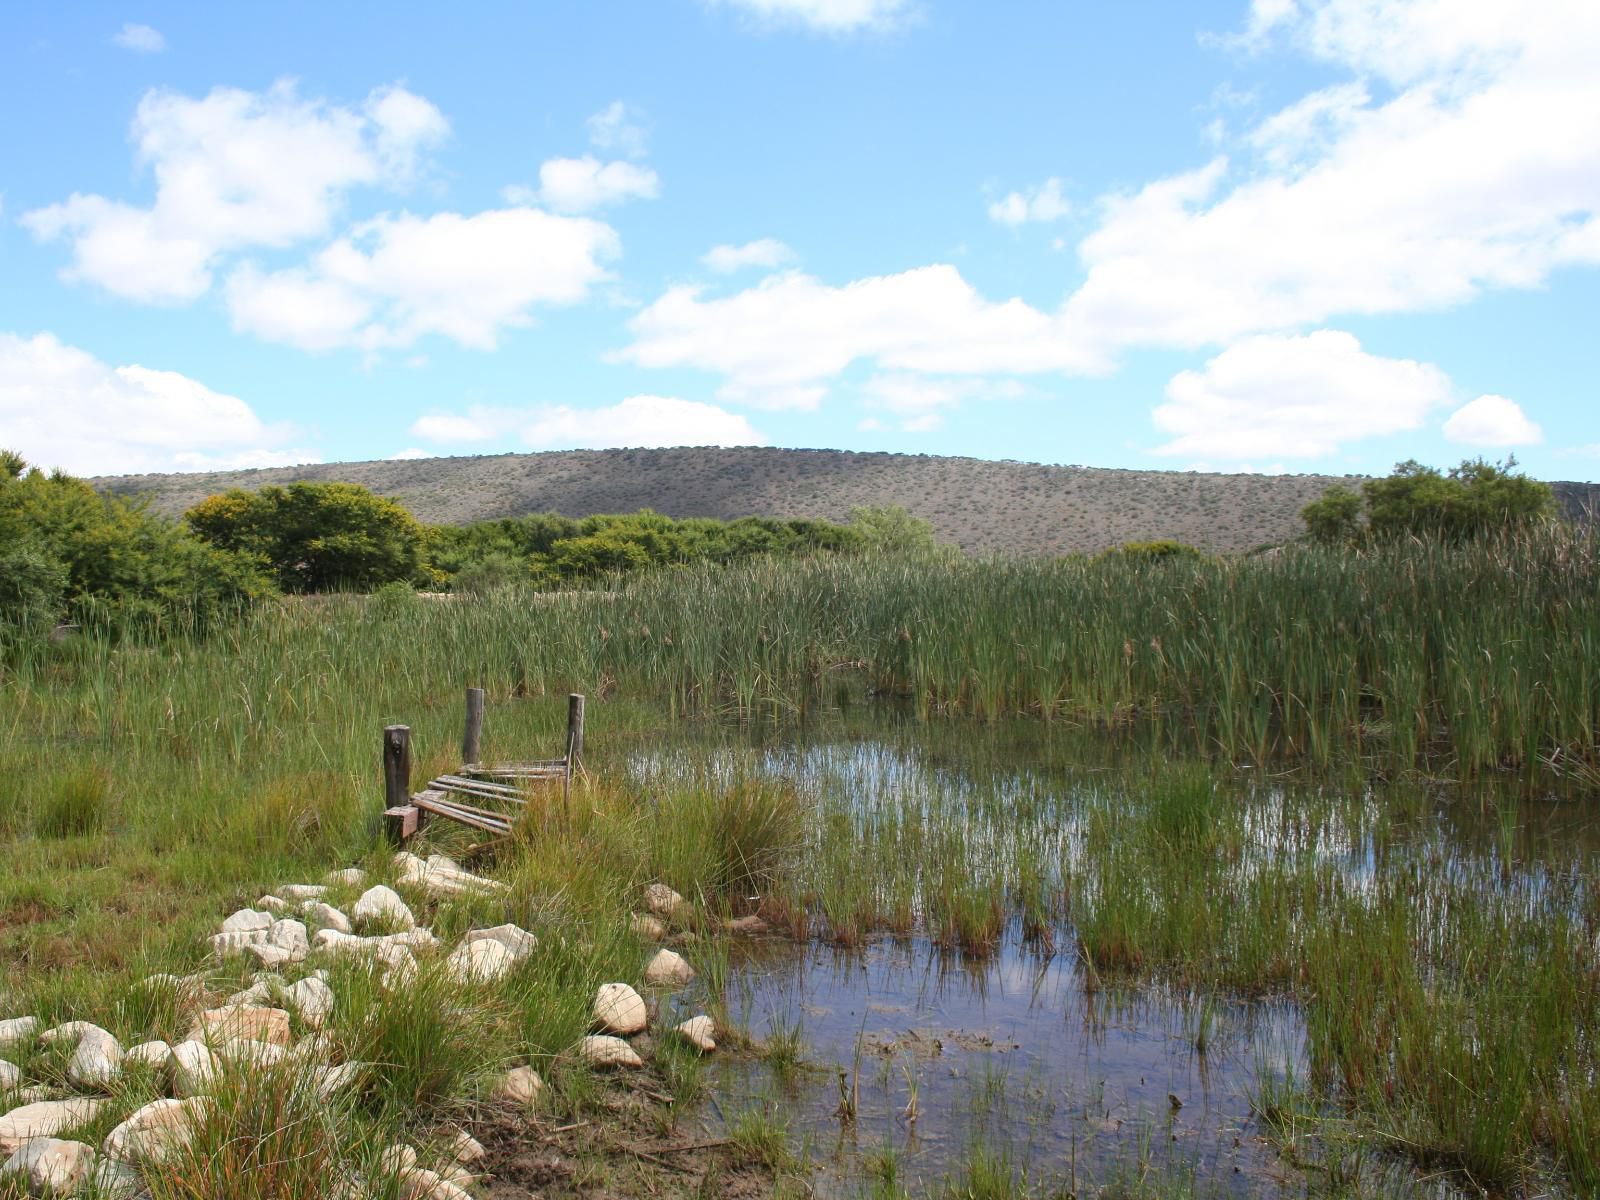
1024,1052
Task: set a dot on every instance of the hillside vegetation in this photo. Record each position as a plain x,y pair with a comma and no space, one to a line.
1012,507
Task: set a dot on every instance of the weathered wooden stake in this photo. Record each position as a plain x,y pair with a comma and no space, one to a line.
472,736
574,729
396,765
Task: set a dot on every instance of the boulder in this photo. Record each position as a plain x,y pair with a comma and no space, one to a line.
652,929
439,876
668,969
268,956
251,1022
419,938
158,1131
325,916
620,1009
226,945
253,1056
312,1001
329,1080
514,938
149,1054
273,904
49,1167
295,893
382,905
395,1159
751,926
17,1031
112,1180
419,1184
608,1052
666,903
349,877
520,1085
10,1076
482,961
258,992
289,934
699,1032
97,1061
194,1068
44,1118
247,920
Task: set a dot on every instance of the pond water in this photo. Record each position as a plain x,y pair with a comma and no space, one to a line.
921,1058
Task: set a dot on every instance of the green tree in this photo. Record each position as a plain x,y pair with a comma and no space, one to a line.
315,537
890,529
1415,500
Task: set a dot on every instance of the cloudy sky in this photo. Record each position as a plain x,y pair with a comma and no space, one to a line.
1303,235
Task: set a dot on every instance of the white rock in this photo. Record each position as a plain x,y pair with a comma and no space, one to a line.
479,962
349,877
382,905
419,938
620,1009
465,1148
258,992
289,934
97,1061
337,943
158,1131
316,1048
194,1069
520,1085
399,967
44,1118
149,1054
699,1032
244,1053
10,1076
273,904
514,938
418,1184
268,956
439,876
664,902
251,1022
329,1080
652,929
321,915
311,999
17,1031
296,892
225,945
51,1167
454,1172
608,1052
396,1158
668,969
247,920
66,1033
112,1180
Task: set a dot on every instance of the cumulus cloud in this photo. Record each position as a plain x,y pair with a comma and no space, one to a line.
765,253
1492,421
919,402
826,16
1295,397
579,185
62,407
395,279
141,39
234,170
1043,202
781,342
640,421
615,127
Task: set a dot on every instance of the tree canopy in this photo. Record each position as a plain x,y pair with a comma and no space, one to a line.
1468,500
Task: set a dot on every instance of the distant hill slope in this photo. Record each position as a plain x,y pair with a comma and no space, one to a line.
1012,507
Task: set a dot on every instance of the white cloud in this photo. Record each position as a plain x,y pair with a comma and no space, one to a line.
578,185
410,454
635,421
141,39
395,279
235,170
827,16
1295,397
765,252
62,407
1492,421
919,402
613,128
779,343
1044,202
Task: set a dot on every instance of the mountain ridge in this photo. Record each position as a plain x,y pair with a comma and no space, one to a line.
982,505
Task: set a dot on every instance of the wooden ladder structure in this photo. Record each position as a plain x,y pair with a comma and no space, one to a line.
465,796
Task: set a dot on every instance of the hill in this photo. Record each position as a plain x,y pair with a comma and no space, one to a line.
983,506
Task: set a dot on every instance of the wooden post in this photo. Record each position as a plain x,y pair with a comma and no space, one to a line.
472,736
400,817
574,729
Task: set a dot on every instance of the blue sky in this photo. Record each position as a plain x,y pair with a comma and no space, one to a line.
1301,235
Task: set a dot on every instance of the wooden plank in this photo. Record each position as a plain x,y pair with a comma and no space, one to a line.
463,781
471,817
400,823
